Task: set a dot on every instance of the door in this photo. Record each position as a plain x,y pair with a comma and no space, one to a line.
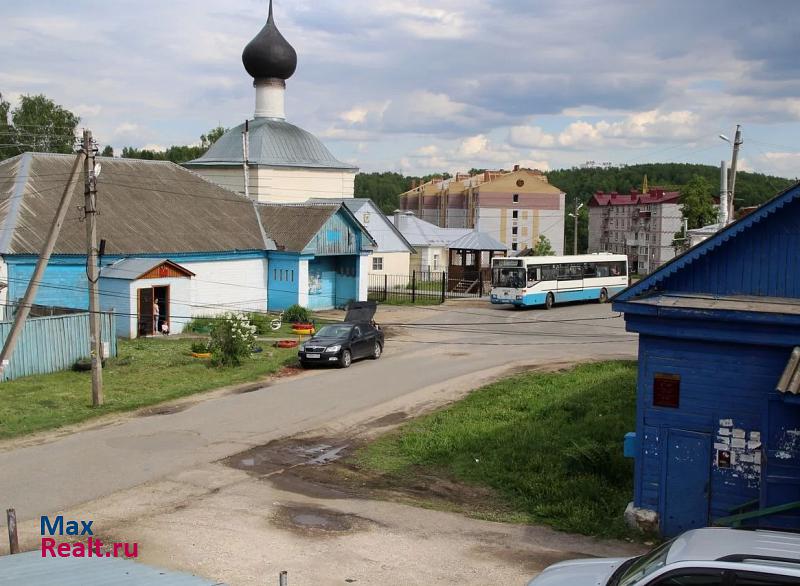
161,296
686,481
145,327
570,282
360,343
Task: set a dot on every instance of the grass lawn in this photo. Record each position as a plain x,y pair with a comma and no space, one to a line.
549,445
145,372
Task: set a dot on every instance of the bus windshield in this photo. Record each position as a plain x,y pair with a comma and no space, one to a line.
509,277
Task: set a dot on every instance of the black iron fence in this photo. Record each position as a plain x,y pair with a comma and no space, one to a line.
424,287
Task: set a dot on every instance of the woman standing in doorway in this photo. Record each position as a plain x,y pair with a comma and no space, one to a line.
155,316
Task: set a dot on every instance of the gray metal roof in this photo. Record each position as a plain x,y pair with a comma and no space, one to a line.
475,240
274,143
145,207
421,233
291,226
131,269
31,569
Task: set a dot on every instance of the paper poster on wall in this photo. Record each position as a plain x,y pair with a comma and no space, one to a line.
314,283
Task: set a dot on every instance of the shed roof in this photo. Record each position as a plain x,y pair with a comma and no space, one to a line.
131,269
727,237
273,143
145,207
475,240
32,569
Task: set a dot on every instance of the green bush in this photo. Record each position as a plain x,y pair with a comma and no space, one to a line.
232,338
199,347
201,324
261,321
296,313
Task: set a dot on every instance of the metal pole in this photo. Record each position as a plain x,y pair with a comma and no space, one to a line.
414,286
246,157
575,234
737,142
90,216
13,538
444,285
723,194
283,578
24,307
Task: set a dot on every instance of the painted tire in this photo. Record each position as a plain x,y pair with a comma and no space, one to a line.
286,344
302,326
201,355
303,332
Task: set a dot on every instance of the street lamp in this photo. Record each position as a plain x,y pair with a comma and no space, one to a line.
575,233
737,142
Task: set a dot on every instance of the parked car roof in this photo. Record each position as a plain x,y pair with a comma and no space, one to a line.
715,543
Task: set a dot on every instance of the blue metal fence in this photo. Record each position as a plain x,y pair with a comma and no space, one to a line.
50,344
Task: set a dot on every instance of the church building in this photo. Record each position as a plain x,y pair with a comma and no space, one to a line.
268,158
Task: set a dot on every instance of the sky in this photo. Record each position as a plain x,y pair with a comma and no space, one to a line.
440,85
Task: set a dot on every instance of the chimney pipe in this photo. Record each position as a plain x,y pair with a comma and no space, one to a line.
516,167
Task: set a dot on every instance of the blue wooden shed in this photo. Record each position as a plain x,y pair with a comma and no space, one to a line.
718,409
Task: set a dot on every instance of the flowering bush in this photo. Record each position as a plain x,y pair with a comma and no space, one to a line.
232,339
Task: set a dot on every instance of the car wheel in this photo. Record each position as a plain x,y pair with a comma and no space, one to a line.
603,296
346,359
549,301
303,364
377,351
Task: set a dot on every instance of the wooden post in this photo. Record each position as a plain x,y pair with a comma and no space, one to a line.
13,539
385,288
414,286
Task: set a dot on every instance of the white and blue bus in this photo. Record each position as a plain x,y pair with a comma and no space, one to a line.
547,280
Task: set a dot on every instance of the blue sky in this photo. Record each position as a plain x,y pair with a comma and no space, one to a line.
419,86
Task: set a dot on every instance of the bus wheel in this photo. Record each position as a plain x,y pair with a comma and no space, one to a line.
549,301
603,296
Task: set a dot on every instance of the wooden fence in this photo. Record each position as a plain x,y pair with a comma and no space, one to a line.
50,344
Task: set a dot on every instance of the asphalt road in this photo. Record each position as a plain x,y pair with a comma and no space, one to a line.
426,347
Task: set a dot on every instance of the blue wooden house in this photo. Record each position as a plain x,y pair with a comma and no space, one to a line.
718,409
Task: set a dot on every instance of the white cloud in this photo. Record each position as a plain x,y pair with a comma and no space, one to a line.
530,136
355,116
638,128
782,163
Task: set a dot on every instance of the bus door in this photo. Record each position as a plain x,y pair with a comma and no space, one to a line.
570,282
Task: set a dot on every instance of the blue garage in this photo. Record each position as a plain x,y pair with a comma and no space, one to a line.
717,436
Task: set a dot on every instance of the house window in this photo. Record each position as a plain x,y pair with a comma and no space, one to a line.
291,275
514,230
274,274
515,198
513,246
515,214
377,263
435,262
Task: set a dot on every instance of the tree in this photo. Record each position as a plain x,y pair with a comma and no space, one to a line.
6,134
108,151
175,153
543,247
41,125
697,203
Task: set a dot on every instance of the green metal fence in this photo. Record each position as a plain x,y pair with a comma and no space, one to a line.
50,344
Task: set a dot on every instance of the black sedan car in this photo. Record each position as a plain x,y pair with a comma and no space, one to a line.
342,343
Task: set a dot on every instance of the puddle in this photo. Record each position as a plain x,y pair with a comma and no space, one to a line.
284,454
309,519
163,410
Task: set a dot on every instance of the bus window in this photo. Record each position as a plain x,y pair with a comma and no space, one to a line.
534,275
603,269
549,272
589,270
617,268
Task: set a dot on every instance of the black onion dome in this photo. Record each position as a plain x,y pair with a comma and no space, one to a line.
269,54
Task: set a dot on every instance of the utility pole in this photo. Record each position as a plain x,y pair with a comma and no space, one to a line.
24,307
723,194
737,142
575,233
90,216
246,157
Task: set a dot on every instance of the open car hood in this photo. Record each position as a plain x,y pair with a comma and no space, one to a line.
361,311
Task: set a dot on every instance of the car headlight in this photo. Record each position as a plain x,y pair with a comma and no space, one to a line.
333,349
302,347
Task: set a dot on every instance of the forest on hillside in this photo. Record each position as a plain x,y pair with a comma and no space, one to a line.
580,183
